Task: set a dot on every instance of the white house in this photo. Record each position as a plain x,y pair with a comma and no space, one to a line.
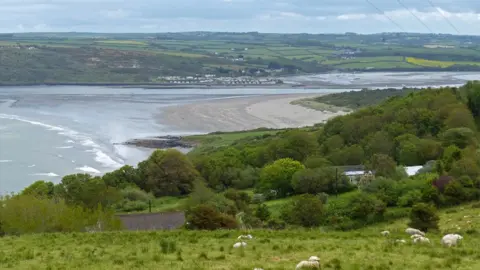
354,175
412,170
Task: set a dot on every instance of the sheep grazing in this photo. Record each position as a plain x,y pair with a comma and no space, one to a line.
451,239
413,231
400,241
415,236
240,244
257,268
248,236
422,240
312,263
385,233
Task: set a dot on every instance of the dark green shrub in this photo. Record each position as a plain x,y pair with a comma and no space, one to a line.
276,224
262,212
410,198
135,194
132,206
305,210
424,217
206,217
455,193
366,207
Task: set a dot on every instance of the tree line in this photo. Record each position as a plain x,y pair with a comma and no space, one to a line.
230,186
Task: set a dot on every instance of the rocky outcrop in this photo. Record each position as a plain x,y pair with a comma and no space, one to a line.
161,142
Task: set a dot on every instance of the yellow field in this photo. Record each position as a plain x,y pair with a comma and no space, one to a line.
429,63
434,63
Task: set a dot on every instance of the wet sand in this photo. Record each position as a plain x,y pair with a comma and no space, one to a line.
269,111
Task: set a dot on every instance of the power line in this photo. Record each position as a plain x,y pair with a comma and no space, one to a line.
445,17
384,14
416,17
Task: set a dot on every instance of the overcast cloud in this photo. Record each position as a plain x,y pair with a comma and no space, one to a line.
284,16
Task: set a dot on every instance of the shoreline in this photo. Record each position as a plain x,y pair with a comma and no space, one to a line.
299,81
234,115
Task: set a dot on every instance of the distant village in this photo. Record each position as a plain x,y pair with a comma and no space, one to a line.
212,79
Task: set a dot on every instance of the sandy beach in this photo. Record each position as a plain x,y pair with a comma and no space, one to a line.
270,111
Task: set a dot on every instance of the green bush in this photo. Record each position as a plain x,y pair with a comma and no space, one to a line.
135,194
276,224
42,215
206,217
410,198
384,189
424,217
305,210
455,193
366,207
132,206
262,212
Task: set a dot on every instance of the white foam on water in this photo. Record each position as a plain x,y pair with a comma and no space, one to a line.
106,160
5,160
64,147
88,169
50,174
100,156
31,166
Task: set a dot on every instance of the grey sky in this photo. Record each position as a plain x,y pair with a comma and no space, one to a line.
308,16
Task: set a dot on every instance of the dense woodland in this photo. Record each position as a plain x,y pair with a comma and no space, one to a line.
436,128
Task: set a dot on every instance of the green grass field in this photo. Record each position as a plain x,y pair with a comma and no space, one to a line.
215,140
281,250
312,104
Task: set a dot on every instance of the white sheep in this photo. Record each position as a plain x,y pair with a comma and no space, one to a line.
312,263
240,244
413,231
422,240
257,268
245,237
415,236
385,233
400,241
451,239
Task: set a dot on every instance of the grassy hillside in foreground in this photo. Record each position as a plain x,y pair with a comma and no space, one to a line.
360,249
